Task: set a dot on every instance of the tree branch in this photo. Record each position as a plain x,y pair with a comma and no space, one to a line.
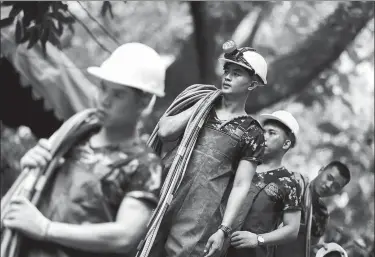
184,71
99,24
90,33
295,71
265,11
204,41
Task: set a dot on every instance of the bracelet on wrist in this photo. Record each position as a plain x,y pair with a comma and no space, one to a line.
227,230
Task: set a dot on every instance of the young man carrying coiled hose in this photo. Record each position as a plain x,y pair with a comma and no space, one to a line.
103,194
229,147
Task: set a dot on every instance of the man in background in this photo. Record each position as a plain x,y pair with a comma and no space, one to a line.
330,181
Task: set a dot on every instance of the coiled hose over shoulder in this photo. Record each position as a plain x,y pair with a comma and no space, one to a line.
204,96
30,183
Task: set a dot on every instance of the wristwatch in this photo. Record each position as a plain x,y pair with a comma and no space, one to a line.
260,240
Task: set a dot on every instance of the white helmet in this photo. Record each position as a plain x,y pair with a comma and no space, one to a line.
134,65
285,118
246,57
331,247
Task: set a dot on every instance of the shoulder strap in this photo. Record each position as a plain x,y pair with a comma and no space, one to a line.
308,221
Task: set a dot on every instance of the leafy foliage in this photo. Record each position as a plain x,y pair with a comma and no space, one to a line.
42,21
39,21
335,112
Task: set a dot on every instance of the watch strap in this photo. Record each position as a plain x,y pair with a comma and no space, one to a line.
260,240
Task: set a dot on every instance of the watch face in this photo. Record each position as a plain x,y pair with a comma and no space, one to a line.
260,239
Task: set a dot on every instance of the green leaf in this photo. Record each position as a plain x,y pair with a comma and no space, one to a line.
44,35
64,19
43,38
71,27
60,28
58,5
57,28
6,22
18,34
17,8
34,37
25,37
54,39
106,7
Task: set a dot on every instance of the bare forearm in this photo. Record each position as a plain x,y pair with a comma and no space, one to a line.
171,127
241,186
236,198
104,237
281,235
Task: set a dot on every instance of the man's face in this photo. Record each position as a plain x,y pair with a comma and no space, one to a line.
116,104
275,138
329,182
235,80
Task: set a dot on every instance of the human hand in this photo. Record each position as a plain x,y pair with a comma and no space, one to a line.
244,239
24,217
38,156
214,244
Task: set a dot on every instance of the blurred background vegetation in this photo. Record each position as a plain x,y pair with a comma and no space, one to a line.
321,69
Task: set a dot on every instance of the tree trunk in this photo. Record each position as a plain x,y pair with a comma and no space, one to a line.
185,70
264,13
204,41
295,71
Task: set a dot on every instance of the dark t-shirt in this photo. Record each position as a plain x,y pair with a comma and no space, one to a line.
252,141
273,193
320,219
136,173
91,185
281,187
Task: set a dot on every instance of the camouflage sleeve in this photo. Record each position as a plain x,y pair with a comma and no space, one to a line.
255,143
146,182
292,196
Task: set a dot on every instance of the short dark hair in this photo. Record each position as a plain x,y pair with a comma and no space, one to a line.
333,254
343,169
287,130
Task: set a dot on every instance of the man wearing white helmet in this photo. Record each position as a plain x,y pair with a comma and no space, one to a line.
274,195
229,148
103,194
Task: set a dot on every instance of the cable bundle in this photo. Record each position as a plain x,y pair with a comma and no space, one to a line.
204,96
30,183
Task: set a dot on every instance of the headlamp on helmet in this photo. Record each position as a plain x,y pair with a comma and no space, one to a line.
231,52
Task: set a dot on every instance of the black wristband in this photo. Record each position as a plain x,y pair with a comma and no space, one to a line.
227,230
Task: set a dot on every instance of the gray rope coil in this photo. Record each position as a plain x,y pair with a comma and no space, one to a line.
31,183
204,96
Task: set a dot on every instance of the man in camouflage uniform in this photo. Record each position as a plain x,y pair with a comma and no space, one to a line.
274,195
103,194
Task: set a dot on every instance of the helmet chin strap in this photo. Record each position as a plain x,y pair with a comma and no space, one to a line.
147,111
